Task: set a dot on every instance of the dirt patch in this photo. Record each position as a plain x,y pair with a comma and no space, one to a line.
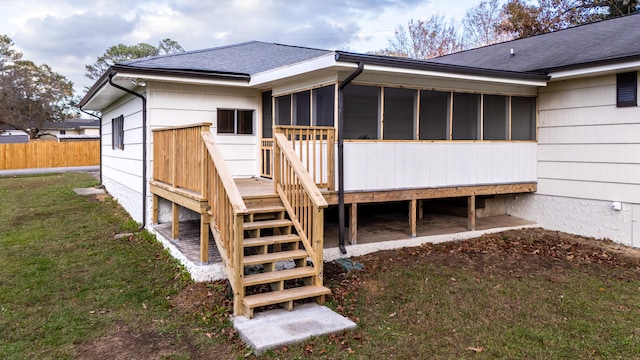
124,343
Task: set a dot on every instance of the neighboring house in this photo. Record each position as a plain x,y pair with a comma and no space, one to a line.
12,136
545,128
70,130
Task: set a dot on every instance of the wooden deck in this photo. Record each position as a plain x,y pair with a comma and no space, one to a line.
255,187
189,240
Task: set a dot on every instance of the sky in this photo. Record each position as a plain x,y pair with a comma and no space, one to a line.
69,34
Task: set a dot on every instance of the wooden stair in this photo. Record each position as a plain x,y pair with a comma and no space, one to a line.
269,239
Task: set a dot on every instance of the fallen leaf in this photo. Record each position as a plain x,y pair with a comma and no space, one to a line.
208,335
476,349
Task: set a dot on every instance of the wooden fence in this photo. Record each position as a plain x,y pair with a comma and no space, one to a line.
43,154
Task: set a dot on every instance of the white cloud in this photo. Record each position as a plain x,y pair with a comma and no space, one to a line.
67,34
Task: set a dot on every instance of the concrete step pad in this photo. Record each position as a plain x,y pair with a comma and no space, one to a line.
277,328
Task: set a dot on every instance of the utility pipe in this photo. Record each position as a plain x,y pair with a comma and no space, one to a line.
144,147
341,216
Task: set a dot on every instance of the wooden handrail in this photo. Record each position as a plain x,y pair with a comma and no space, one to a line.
227,210
305,179
229,184
302,199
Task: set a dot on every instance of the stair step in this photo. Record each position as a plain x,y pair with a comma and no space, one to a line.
270,240
266,224
274,257
276,297
266,209
273,276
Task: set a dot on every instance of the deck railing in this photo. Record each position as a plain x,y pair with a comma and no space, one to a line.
266,152
314,146
302,199
227,210
178,157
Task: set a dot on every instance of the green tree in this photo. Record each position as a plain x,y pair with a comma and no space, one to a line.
31,94
121,52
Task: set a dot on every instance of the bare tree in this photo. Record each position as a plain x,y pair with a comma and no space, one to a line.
482,25
424,39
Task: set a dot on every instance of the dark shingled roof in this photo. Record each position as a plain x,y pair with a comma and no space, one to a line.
247,58
601,42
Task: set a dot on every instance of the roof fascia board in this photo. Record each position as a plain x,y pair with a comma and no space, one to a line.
448,75
319,63
181,79
594,70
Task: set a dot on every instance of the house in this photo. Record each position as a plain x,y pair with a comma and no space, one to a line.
9,135
70,130
544,128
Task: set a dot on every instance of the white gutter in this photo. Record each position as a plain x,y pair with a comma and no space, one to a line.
595,70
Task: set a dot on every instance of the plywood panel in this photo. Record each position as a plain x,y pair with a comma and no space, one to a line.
398,165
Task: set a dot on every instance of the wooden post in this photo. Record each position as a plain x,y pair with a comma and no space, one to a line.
471,213
175,221
204,236
413,206
154,209
353,227
238,264
420,209
318,239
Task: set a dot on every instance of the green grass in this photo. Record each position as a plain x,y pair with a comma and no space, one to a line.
67,288
64,280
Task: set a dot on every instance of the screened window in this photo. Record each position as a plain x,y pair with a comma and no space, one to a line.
495,117
399,114
627,89
466,116
361,112
267,113
302,108
117,133
235,121
283,110
523,118
434,115
324,105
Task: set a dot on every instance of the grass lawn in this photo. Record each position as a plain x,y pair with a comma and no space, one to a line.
68,289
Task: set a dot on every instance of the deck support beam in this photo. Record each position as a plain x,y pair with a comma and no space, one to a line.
353,227
175,221
413,211
154,209
204,237
471,213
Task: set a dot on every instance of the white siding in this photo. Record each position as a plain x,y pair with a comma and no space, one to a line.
122,169
588,148
405,165
174,104
589,157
